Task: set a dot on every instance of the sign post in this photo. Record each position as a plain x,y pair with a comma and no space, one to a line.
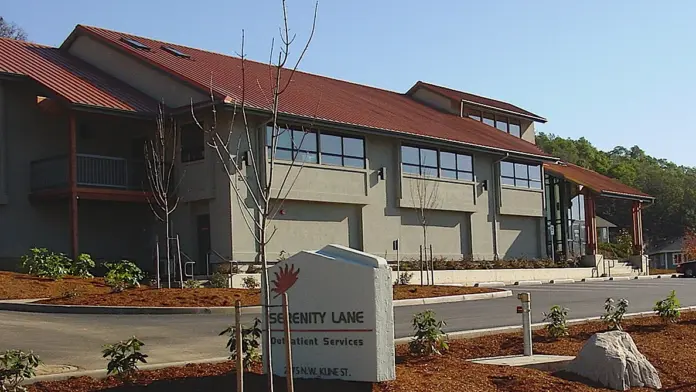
341,315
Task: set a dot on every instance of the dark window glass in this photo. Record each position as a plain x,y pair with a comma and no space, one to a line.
466,176
429,171
433,163
192,143
465,163
353,147
488,119
520,175
342,151
135,43
515,128
354,162
304,141
474,114
428,157
331,159
411,169
175,52
293,144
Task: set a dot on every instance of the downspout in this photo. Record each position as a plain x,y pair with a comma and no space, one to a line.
496,199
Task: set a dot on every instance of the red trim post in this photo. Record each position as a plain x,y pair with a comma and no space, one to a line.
72,182
637,215
590,224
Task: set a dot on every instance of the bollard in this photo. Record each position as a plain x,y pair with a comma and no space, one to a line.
526,310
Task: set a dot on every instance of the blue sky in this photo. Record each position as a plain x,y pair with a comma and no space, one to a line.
617,72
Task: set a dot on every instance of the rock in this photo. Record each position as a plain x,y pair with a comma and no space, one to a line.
613,360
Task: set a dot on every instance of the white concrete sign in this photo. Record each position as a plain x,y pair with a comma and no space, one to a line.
341,315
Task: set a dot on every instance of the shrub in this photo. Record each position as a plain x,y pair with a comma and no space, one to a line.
614,313
404,278
249,282
123,275
253,269
218,281
81,266
124,357
668,308
193,284
429,338
15,367
557,318
40,262
251,342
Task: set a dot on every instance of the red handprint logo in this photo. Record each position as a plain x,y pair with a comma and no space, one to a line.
284,279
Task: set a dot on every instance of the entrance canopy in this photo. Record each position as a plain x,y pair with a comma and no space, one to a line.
599,184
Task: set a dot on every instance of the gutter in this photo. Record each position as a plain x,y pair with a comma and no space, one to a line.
496,198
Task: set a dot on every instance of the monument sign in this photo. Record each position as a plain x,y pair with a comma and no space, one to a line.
340,312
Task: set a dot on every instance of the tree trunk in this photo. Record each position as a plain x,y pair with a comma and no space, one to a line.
267,298
166,230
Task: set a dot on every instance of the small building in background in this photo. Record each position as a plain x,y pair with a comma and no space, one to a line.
667,255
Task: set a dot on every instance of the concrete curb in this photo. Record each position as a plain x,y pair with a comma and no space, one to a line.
613,278
452,298
644,277
101,373
28,306
665,276
489,284
557,281
528,283
593,279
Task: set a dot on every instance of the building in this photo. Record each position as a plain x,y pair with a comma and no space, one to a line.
74,120
668,255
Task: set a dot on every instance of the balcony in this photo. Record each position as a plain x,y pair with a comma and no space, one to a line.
98,177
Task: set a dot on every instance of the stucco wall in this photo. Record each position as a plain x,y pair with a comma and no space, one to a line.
521,201
449,233
436,100
447,195
519,237
137,74
528,131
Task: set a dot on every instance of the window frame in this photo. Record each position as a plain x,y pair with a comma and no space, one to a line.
317,152
187,154
343,154
521,179
467,113
438,167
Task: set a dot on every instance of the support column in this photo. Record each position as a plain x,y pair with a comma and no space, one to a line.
590,224
637,215
72,183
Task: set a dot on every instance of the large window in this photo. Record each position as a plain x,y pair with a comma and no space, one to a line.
317,147
507,124
192,143
520,175
434,163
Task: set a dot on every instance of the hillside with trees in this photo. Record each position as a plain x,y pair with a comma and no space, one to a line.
673,186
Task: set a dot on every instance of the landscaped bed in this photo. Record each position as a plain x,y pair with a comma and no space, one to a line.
666,346
93,291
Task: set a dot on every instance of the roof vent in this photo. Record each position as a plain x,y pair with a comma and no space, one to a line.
176,52
134,43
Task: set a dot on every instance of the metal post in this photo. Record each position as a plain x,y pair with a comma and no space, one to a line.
420,247
526,310
432,266
157,261
288,345
178,253
239,348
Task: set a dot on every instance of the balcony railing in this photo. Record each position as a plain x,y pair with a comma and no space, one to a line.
92,171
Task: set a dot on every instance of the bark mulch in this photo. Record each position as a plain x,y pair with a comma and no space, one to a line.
666,346
76,291
655,271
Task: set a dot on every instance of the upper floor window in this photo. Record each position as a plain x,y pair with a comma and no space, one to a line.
318,147
434,163
192,143
520,175
503,123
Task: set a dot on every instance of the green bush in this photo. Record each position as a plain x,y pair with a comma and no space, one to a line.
253,269
557,318
404,278
15,367
249,282
668,308
429,338
124,357
123,275
442,263
40,262
81,266
251,343
218,281
614,313
193,284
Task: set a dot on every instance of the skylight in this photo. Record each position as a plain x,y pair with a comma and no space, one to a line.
175,52
134,43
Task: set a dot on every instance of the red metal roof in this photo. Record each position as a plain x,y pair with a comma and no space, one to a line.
595,181
70,78
313,96
477,99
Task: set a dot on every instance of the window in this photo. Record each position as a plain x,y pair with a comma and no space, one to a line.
175,52
342,150
134,43
515,127
510,125
501,123
520,175
424,161
474,114
488,119
293,144
192,143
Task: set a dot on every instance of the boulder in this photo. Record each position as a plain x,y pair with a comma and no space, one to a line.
613,360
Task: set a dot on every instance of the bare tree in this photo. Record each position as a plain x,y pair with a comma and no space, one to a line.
160,160
11,30
424,197
252,167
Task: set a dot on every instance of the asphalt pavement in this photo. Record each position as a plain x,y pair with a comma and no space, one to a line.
76,340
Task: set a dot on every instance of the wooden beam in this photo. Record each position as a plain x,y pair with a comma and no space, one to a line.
72,182
590,223
637,217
